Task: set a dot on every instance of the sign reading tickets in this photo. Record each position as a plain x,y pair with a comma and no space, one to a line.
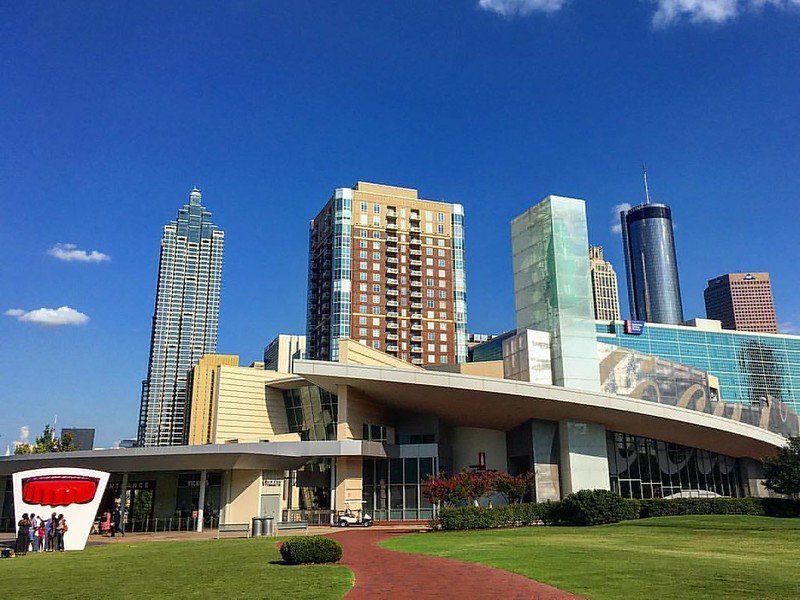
74,493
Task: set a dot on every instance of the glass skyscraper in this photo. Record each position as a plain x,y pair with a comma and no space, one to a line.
654,293
185,320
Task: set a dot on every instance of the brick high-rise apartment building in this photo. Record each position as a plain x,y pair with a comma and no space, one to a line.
387,269
742,301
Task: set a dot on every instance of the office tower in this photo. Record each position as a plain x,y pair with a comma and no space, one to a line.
280,353
82,437
386,268
200,392
552,286
604,286
185,320
654,293
742,301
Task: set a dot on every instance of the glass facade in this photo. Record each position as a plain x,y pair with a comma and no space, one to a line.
642,467
185,321
459,285
392,488
552,287
312,412
752,368
654,292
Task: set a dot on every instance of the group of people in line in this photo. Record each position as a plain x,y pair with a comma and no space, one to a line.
111,522
39,535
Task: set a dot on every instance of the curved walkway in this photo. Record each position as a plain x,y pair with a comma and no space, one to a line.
382,573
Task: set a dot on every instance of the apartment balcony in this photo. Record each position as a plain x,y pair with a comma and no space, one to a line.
391,281
415,241
391,292
391,226
391,249
415,263
416,349
416,273
414,252
415,229
416,305
392,314
416,361
391,325
391,270
391,239
391,303
391,348
414,216
416,283
391,212
416,327
416,294
416,315
393,336
391,259
416,338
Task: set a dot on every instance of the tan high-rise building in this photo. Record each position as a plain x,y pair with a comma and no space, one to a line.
200,390
742,301
386,269
605,291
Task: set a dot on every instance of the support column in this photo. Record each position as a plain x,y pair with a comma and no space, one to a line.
584,457
123,500
201,501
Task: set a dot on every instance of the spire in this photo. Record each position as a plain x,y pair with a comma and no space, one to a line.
194,196
646,189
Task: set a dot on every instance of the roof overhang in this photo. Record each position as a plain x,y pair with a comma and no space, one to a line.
212,457
492,403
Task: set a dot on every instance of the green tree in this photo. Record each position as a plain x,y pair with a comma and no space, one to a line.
48,442
782,471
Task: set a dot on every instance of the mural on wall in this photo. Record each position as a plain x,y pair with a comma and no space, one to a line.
72,492
626,372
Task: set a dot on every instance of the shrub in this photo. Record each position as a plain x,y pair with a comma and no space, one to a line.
769,507
310,549
510,515
596,507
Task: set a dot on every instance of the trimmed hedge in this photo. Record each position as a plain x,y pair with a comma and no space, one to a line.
310,549
596,507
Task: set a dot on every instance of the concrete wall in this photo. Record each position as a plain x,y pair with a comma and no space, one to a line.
487,368
200,388
467,442
584,457
752,475
354,353
349,481
241,492
356,409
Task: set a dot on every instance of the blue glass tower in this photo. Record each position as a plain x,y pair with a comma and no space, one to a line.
185,320
654,293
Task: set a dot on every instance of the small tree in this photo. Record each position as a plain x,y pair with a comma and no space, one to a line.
47,442
782,471
512,487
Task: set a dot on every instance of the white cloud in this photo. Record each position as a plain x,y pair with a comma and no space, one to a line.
788,327
616,225
710,11
24,435
71,252
49,317
512,8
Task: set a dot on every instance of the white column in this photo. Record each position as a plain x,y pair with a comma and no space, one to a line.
201,500
123,500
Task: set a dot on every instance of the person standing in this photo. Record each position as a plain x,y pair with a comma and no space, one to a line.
33,533
116,524
50,533
40,535
23,534
61,529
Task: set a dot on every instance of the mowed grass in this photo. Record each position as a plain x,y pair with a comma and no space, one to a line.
662,558
190,569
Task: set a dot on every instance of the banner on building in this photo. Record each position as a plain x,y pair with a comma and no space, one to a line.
72,492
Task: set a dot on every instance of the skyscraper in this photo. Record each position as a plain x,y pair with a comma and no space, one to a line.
654,292
552,287
604,286
185,320
742,301
386,268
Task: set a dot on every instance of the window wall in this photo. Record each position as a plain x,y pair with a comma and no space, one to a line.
392,488
646,468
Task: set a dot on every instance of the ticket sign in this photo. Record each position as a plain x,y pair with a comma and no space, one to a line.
634,327
72,492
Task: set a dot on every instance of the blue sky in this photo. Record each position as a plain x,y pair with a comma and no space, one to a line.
111,111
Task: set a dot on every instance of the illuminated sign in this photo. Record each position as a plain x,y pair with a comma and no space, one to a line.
74,493
634,327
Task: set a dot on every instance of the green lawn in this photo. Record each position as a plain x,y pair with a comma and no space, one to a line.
670,557
191,569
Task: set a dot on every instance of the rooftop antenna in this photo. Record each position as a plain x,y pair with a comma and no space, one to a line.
646,189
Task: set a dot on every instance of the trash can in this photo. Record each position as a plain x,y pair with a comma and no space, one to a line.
256,529
262,526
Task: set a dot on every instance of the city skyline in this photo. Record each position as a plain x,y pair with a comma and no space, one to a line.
259,128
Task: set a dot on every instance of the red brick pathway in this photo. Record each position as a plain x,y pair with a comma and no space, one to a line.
384,573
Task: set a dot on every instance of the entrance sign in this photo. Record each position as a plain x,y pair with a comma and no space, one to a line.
72,492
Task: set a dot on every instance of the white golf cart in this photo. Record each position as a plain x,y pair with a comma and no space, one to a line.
353,516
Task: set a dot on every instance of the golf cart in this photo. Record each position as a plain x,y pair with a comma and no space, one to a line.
351,516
